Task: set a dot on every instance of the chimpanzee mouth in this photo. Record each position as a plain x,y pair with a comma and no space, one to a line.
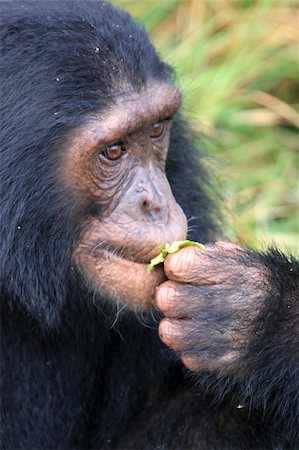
126,280
133,256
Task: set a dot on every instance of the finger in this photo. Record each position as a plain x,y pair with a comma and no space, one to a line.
191,265
182,301
205,362
182,266
176,300
171,333
194,364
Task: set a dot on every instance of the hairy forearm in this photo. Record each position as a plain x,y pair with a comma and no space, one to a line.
270,365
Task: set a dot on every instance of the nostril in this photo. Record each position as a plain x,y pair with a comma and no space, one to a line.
151,207
145,204
154,211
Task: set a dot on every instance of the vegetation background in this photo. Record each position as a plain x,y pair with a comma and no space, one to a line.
236,62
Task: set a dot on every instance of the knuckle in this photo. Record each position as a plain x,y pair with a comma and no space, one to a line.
190,363
177,264
172,265
166,332
165,295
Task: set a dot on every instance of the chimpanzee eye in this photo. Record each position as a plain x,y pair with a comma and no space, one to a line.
157,129
114,151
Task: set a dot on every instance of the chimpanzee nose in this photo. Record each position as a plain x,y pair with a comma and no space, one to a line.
153,205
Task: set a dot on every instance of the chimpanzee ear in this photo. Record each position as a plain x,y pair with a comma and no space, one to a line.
190,183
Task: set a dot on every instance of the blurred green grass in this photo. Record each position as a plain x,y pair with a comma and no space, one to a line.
237,64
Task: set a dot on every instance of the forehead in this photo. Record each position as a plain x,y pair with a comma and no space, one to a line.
132,110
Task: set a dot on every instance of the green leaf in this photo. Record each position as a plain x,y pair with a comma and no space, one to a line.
171,248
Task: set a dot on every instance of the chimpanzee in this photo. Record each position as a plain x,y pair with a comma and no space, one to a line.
98,170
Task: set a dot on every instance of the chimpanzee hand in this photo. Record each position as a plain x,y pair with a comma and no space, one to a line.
211,303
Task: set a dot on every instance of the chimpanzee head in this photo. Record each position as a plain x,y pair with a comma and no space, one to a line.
88,109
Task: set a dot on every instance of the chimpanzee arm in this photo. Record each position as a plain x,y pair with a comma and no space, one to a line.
270,366
233,314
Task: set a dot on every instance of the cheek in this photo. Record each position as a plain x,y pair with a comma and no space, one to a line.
107,181
90,177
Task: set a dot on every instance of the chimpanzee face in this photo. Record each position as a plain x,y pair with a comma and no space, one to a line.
117,163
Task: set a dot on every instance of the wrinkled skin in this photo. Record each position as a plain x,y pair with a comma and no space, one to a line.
116,165
207,320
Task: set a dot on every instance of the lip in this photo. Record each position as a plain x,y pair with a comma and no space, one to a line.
124,253
115,257
121,279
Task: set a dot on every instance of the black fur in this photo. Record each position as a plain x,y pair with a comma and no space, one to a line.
72,376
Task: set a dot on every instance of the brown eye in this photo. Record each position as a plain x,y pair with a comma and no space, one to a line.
157,130
114,151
